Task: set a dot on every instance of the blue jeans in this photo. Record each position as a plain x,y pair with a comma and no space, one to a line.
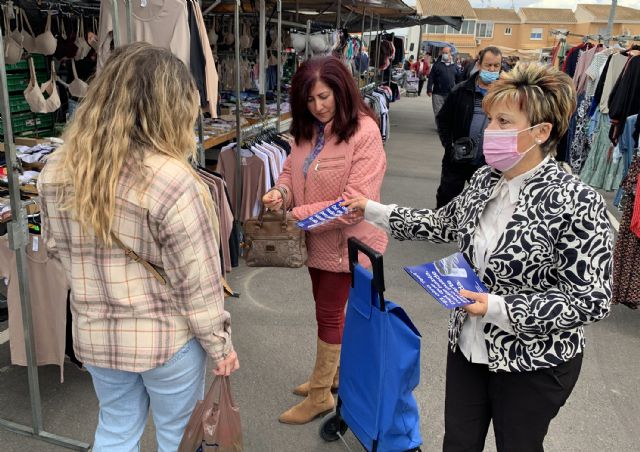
171,389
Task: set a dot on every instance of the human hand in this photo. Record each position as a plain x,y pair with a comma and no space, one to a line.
356,205
428,94
228,365
272,200
481,305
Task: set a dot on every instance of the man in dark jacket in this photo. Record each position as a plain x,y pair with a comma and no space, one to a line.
461,123
443,77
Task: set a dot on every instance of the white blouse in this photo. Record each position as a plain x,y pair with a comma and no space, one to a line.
492,223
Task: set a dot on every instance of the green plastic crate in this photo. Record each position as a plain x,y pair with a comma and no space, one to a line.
18,104
28,122
23,65
19,81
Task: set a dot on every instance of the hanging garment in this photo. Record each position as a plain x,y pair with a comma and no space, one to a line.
213,35
28,38
33,93
196,56
211,73
81,43
77,88
601,168
48,292
626,255
12,40
67,47
624,100
616,66
245,40
581,143
163,23
46,43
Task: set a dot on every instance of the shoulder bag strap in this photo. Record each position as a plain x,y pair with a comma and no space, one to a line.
134,256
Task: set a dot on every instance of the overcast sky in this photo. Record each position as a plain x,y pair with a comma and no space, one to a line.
540,3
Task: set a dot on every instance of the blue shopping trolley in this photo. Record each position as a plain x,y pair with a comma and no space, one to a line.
379,366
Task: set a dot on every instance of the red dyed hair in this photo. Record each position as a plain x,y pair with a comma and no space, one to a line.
349,103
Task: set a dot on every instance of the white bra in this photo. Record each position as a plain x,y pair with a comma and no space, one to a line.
28,38
77,88
83,46
34,94
46,43
12,40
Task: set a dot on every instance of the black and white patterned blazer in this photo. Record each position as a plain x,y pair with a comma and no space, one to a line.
552,264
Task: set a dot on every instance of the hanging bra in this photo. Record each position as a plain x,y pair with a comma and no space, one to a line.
83,47
245,39
12,40
77,88
28,38
46,43
213,37
34,94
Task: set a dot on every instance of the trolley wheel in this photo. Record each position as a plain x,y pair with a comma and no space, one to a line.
331,426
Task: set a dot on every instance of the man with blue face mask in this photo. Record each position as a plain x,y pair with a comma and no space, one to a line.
461,123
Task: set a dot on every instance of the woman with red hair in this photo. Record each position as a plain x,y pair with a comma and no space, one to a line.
337,154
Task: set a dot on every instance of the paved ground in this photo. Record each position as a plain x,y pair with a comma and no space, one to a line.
274,335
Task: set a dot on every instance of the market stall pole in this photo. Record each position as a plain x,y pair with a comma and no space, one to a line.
18,237
238,187
359,65
262,58
116,25
307,50
378,47
279,75
370,38
129,22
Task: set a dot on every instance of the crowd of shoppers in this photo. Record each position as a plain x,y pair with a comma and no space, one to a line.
135,230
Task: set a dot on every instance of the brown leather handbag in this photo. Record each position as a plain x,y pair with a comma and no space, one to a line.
274,239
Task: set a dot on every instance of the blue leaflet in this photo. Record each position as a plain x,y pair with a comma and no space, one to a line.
443,279
324,216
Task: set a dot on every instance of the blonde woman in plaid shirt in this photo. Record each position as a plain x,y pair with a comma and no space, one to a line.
123,179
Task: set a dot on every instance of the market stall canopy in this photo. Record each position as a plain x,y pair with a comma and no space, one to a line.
392,13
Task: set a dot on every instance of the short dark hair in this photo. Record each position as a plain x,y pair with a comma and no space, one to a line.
349,103
491,49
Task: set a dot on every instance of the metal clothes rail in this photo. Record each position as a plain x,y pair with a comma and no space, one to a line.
18,239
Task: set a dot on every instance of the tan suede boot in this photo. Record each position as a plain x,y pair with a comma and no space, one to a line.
303,389
319,401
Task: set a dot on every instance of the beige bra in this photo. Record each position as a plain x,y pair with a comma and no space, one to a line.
34,94
81,43
77,88
28,39
46,43
12,40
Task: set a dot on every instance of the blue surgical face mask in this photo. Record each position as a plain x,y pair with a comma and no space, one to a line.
489,76
445,57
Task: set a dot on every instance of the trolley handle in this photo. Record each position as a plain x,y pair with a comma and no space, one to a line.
355,246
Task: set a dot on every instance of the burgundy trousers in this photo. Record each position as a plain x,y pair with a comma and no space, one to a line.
330,292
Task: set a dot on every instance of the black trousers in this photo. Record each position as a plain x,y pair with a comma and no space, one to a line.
452,179
521,404
420,85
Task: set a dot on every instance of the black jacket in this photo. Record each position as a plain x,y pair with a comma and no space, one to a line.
552,264
454,119
443,78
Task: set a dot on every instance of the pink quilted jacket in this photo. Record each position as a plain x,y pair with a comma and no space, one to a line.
341,171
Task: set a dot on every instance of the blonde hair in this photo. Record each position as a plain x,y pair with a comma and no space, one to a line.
543,93
144,100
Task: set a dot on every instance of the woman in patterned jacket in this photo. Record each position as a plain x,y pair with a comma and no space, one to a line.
541,242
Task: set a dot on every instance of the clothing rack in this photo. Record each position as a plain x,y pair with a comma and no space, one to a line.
18,238
585,38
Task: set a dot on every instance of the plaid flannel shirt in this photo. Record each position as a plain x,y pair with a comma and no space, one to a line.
123,318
